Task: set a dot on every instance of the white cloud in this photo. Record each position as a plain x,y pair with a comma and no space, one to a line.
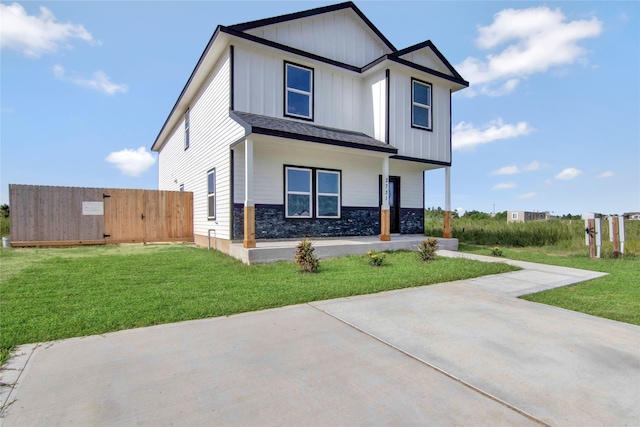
505,186
569,173
511,170
35,35
533,166
537,39
132,162
461,211
527,195
607,174
467,136
99,81
506,170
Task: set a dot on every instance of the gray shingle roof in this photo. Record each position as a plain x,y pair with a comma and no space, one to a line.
290,129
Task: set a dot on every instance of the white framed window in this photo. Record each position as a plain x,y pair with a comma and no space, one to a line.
298,96
182,188
211,194
421,105
514,215
298,199
186,130
327,194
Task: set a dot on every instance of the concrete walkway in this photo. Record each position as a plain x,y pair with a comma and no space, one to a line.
460,353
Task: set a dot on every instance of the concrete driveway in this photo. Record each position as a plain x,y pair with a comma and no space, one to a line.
461,353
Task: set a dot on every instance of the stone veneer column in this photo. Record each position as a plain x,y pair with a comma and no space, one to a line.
249,205
447,232
385,219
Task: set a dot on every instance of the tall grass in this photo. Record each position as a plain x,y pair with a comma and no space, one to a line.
565,234
4,226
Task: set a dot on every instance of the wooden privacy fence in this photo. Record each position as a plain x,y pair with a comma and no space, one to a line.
65,216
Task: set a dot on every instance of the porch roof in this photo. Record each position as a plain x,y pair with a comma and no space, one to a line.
290,129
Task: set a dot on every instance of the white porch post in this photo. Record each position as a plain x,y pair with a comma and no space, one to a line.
447,232
385,219
249,206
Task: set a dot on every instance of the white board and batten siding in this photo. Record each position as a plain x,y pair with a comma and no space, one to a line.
412,142
211,132
339,35
360,174
427,58
374,103
259,88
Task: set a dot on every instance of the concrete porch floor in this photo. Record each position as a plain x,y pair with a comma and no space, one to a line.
284,250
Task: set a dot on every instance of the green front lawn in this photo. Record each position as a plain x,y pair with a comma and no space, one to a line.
49,294
615,296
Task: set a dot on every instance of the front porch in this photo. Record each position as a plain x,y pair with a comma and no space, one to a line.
284,250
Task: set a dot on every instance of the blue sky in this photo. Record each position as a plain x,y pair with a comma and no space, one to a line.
550,122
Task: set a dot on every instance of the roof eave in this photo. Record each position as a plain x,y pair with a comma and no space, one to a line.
201,70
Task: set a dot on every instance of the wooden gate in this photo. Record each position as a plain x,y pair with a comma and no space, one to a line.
134,216
66,216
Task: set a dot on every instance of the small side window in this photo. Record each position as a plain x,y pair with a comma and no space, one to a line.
211,193
186,130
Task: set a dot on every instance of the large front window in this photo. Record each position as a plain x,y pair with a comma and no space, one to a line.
420,105
303,186
298,201
298,97
328,194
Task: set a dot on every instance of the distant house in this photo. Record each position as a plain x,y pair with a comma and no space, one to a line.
309,124
633,216
524,216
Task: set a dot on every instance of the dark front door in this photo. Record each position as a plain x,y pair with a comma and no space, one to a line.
394,202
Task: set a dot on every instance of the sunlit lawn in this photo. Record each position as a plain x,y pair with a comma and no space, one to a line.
49,294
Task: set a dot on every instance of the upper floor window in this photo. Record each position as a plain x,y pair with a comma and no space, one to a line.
186,130
298,97
420,105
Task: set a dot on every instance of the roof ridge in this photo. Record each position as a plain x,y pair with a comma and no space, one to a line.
244,26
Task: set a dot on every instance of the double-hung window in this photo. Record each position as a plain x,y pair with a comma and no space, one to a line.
186,130
421,105
327,194
311,192
298,188
298,96
211,194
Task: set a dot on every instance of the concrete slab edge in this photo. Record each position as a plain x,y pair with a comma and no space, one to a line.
18,361
441,371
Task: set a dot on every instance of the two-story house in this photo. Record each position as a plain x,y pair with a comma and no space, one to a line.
310,124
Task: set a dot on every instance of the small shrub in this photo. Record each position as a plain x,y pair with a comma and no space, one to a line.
376,259
496,251
305,258
427,249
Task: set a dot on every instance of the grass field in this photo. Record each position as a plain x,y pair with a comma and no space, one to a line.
564,234
49,294
615,296
4,226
